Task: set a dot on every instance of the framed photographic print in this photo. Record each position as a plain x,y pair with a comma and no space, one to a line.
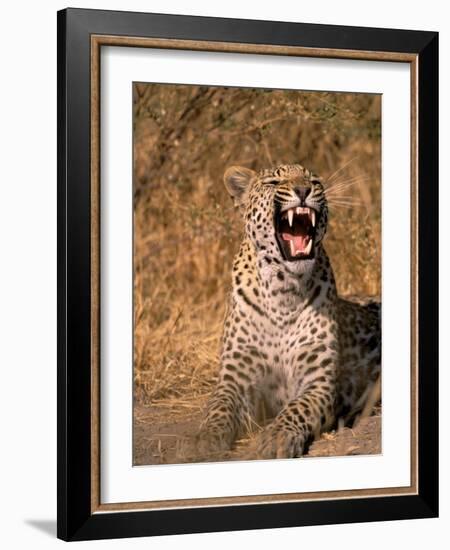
247,254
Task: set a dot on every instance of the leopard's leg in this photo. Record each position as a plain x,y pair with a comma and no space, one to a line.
305,416
359,386
300,421
231,407
226,414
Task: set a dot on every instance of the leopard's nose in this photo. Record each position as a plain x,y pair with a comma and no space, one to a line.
302,192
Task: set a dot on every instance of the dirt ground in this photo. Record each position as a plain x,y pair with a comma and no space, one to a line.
158,430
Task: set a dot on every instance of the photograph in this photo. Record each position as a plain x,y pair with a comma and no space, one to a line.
256,273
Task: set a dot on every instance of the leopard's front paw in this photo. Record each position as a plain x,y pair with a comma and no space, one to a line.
278,442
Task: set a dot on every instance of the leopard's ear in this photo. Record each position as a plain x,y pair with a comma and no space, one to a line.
237,180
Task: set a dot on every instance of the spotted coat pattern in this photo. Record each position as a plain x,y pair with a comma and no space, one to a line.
291,347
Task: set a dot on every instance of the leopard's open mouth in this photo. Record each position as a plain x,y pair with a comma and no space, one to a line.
295,230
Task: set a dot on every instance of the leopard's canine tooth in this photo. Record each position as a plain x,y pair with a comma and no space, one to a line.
290,216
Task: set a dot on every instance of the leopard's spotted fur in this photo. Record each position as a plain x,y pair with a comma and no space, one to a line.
289,340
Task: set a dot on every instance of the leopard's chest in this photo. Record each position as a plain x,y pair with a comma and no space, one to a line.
280,344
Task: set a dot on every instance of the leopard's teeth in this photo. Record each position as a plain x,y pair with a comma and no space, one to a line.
290,217
313,217
308,247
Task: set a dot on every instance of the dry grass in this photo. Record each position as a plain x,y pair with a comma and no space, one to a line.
186,230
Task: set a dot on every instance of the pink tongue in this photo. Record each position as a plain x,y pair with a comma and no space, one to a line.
300,241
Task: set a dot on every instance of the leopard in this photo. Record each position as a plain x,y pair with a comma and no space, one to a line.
291,346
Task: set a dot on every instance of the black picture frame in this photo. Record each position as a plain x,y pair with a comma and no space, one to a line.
76,519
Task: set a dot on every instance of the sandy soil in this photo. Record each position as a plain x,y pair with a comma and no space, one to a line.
159,428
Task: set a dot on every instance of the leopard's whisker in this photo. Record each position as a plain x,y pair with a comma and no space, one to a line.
332,206
345,204
343,198
355,179
346,198
334,174
341,192
346,183
343,178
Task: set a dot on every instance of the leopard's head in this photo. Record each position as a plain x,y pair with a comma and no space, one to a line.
284,209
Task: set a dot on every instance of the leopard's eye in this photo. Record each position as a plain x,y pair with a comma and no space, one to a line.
270,182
